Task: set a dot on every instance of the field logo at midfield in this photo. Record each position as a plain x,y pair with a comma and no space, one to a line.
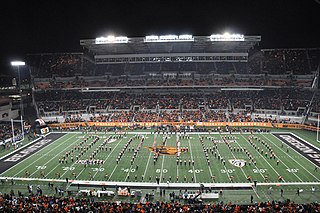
166,150
112,140
238,162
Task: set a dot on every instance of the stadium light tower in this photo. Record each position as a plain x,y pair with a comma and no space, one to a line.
18,64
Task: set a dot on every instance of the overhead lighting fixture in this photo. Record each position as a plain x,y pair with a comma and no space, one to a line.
227,37
112,39
169,38
18,63
14,96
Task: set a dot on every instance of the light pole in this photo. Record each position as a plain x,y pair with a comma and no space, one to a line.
18,64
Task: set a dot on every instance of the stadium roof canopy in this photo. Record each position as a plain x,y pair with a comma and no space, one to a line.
218,43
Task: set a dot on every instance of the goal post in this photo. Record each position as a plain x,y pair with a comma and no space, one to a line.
17,137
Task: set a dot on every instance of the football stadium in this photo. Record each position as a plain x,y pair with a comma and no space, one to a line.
180,119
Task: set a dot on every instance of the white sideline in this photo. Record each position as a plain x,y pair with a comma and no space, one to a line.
170,185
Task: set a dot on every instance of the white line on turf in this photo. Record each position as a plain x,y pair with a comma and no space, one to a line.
113,171
255,191
54,158
254,164
109,154
194,174
131,165
25,160
82,137
145,170
163,157
294,159
105,160
306,141
300,137
70,167
264,159
210,168
27,144
280,159
245,175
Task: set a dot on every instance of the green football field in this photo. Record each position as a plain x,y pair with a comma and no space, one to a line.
240,161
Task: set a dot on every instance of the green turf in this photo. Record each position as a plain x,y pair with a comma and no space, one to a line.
10,148
293,167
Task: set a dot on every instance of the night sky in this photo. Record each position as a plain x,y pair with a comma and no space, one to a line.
58,26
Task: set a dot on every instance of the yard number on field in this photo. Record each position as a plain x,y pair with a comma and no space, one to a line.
195,171
227,170
259,170
163,170
127,170
66,168
292,170
97,169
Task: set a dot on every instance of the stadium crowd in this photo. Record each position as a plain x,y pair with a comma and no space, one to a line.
273,61
177,80
44,203
229,106
285,99
6,133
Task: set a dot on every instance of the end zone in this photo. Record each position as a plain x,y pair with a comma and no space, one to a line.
26,151
307,150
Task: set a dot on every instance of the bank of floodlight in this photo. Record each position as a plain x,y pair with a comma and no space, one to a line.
111,39
168,38
18,63
227,37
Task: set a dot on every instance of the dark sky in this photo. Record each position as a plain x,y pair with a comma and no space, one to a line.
57,26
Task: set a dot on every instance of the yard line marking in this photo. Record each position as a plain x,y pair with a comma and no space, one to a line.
209,166
224,165
280,159
54,156
194,174
115,166
136,156
80,173
145,170
178,165
245,175
254,164
108,155
70,166
163,160
177,170
255,191
73,165
113,171
264,159
105,160
161,167
44,155
293,158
